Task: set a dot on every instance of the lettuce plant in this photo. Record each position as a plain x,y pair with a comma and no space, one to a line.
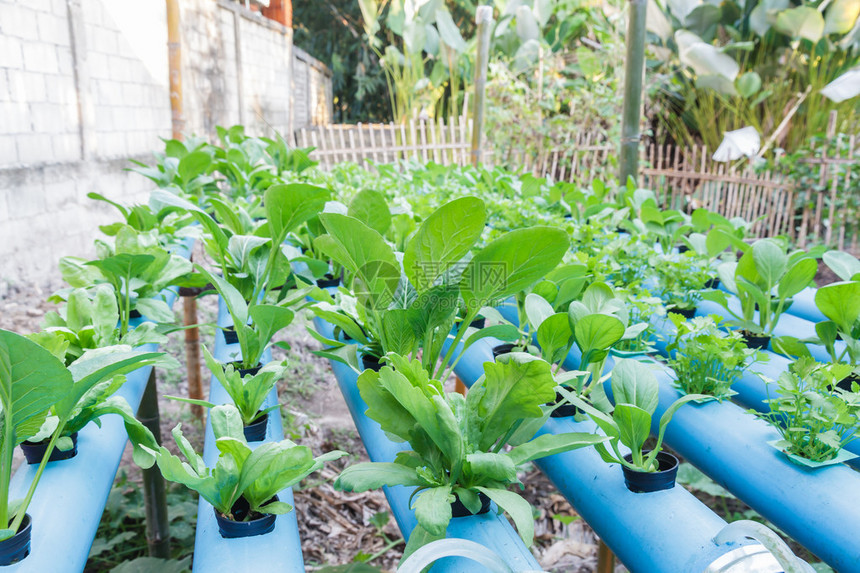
636,394
34,381
170,226
765,278
680,279
458,442
814,420
707,360
256,475
248,393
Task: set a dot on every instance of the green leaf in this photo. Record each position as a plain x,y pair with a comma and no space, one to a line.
373,475
846,266
512,390
555,337
634,425
840,302
370,207
595,334
802,22
155,310
841,16
433,508
537,310
497,467
518,508
798,277
505,267
194,164
365,254
290,205
634,383
552,444
770,262
443,239
448,31
748,84
31,380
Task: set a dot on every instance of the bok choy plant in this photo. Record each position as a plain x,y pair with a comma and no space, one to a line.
247,392
411,307
765,278
256,475
33,382
636,394
458,442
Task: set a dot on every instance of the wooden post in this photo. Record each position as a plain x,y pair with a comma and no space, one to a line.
484,19
459,387
633,75
154,492
605,558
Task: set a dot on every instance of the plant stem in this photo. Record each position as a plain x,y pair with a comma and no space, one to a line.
6,469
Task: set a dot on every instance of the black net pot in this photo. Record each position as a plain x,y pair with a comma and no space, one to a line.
17,547
565,411
247,371
230,529
256,430
687,313
503,349
371,362
845,383
644,482
35,451
328,281
134,314
460,510
713,283
759,342
230,336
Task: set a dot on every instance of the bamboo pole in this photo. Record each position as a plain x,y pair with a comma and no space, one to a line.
484,19
633,75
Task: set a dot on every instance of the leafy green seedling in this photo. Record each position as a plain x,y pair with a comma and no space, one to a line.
256,475
636,393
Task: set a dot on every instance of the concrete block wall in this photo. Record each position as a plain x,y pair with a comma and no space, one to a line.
83,88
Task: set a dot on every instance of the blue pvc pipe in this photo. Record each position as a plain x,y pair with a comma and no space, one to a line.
69,500
491,530
819,508
280,550
627,522
753,388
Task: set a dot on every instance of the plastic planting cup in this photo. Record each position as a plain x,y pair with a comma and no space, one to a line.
35,451
256,430
231,529
460,510
644,482
17,547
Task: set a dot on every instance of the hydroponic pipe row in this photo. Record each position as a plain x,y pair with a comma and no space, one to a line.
819,508
71,497
490,529
751,387
666,531
280,550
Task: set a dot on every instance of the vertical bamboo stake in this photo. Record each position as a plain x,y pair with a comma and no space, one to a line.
633,76
484,19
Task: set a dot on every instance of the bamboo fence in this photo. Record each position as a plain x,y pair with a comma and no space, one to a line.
822,207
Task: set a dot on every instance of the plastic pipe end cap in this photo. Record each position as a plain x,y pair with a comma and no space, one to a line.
754,558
